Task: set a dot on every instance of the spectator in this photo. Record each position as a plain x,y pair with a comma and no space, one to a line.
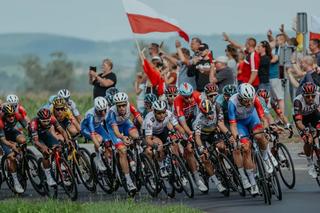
183,63
307,64
102,81
251,63
221,74
241,57
154,49
314,46
195,45
170,74
232,54
140,86
200,67
264,50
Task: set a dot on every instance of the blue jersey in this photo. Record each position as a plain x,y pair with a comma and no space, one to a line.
92,120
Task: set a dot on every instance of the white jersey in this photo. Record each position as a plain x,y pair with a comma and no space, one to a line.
153,127
73,107
302,108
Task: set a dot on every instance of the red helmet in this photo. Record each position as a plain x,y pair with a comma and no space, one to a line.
309,88
44,114
210,87
205,106
263,93
171,89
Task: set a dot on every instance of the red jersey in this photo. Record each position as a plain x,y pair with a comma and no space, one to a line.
251,64
35,127
21,110
6,126
187,110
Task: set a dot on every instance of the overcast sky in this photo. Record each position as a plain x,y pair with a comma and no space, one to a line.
106,20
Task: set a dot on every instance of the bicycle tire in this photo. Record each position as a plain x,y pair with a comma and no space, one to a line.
50,191
289,161
262,180
276,187
84,170
72,189
103,178
148,173
34,172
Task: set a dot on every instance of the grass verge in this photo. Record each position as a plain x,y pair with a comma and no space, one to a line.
27,206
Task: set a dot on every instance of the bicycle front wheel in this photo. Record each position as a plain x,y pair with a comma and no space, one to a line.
67,179
286,166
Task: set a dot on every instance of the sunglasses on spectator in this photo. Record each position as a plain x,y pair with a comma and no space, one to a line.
309,96
59,109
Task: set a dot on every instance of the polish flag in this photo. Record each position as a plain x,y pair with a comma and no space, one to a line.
315,27
143,19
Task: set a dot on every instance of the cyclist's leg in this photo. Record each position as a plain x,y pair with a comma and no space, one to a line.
70,127
105,138
204,157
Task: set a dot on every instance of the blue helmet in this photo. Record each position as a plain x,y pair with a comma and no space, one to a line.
185,89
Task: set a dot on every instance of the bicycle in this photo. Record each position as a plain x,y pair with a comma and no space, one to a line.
315,150
61,173
27,168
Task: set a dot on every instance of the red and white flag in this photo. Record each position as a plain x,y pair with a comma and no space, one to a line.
315,27
143,19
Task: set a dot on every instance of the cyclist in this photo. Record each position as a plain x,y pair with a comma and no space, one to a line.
149,99
43,139
246,114
223,99
306,113
207,126
48,105
92,128
9,136
210,92
14,101
171,93
186,107
109,95
62,113
119,127
64,93
264,97
156,126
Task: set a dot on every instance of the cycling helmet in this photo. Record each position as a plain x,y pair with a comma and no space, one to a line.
120,97
210,87
263,93
44,114
150,98
185,89
246,91
100,103
51,98
8,109
171,89
109,99
12,99
159,105
112,91
309,88
229,90
59,102
64,93
205,106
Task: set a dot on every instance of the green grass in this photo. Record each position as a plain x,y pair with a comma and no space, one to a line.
28,206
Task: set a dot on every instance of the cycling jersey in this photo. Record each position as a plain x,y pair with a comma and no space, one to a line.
264,106
66,114
73,107
204,125
224,107
301,108
237,111
92,124
153,127
185,110
35,127
20,109
6,126
113,116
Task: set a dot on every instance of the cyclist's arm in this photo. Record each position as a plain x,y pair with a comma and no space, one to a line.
180,114
254,62
232,119
297,107
136,114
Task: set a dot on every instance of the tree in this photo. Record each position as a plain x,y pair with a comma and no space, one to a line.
34,73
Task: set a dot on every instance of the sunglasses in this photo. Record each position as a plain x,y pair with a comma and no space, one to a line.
122,105
45,121
59,109
212,95
10,115
101,111
172,95
309,96
160,112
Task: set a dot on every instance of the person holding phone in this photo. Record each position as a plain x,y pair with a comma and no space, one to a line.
102,81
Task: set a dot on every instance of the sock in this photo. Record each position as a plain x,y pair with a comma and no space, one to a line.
310,161
14,176
242,174
251,176
264,154
161,164
47,172
215,179
128,178
196,176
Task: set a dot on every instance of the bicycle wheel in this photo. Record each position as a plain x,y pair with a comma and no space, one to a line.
203,174
67,179
84,170
103,178
275,185
148,175
33,174
50,191
182,175
8,177
286,166
231,175
262,180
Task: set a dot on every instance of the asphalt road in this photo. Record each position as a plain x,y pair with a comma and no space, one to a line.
304,197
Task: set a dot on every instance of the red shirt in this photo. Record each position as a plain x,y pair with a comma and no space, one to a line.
187,110
251,64
21,111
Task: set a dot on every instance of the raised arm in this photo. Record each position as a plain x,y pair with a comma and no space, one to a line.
234,43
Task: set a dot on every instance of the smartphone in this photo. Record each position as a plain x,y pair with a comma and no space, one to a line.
93,68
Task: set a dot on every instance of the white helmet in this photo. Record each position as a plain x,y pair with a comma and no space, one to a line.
120,97
100,103
64,93
159,105
246,91
12,99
